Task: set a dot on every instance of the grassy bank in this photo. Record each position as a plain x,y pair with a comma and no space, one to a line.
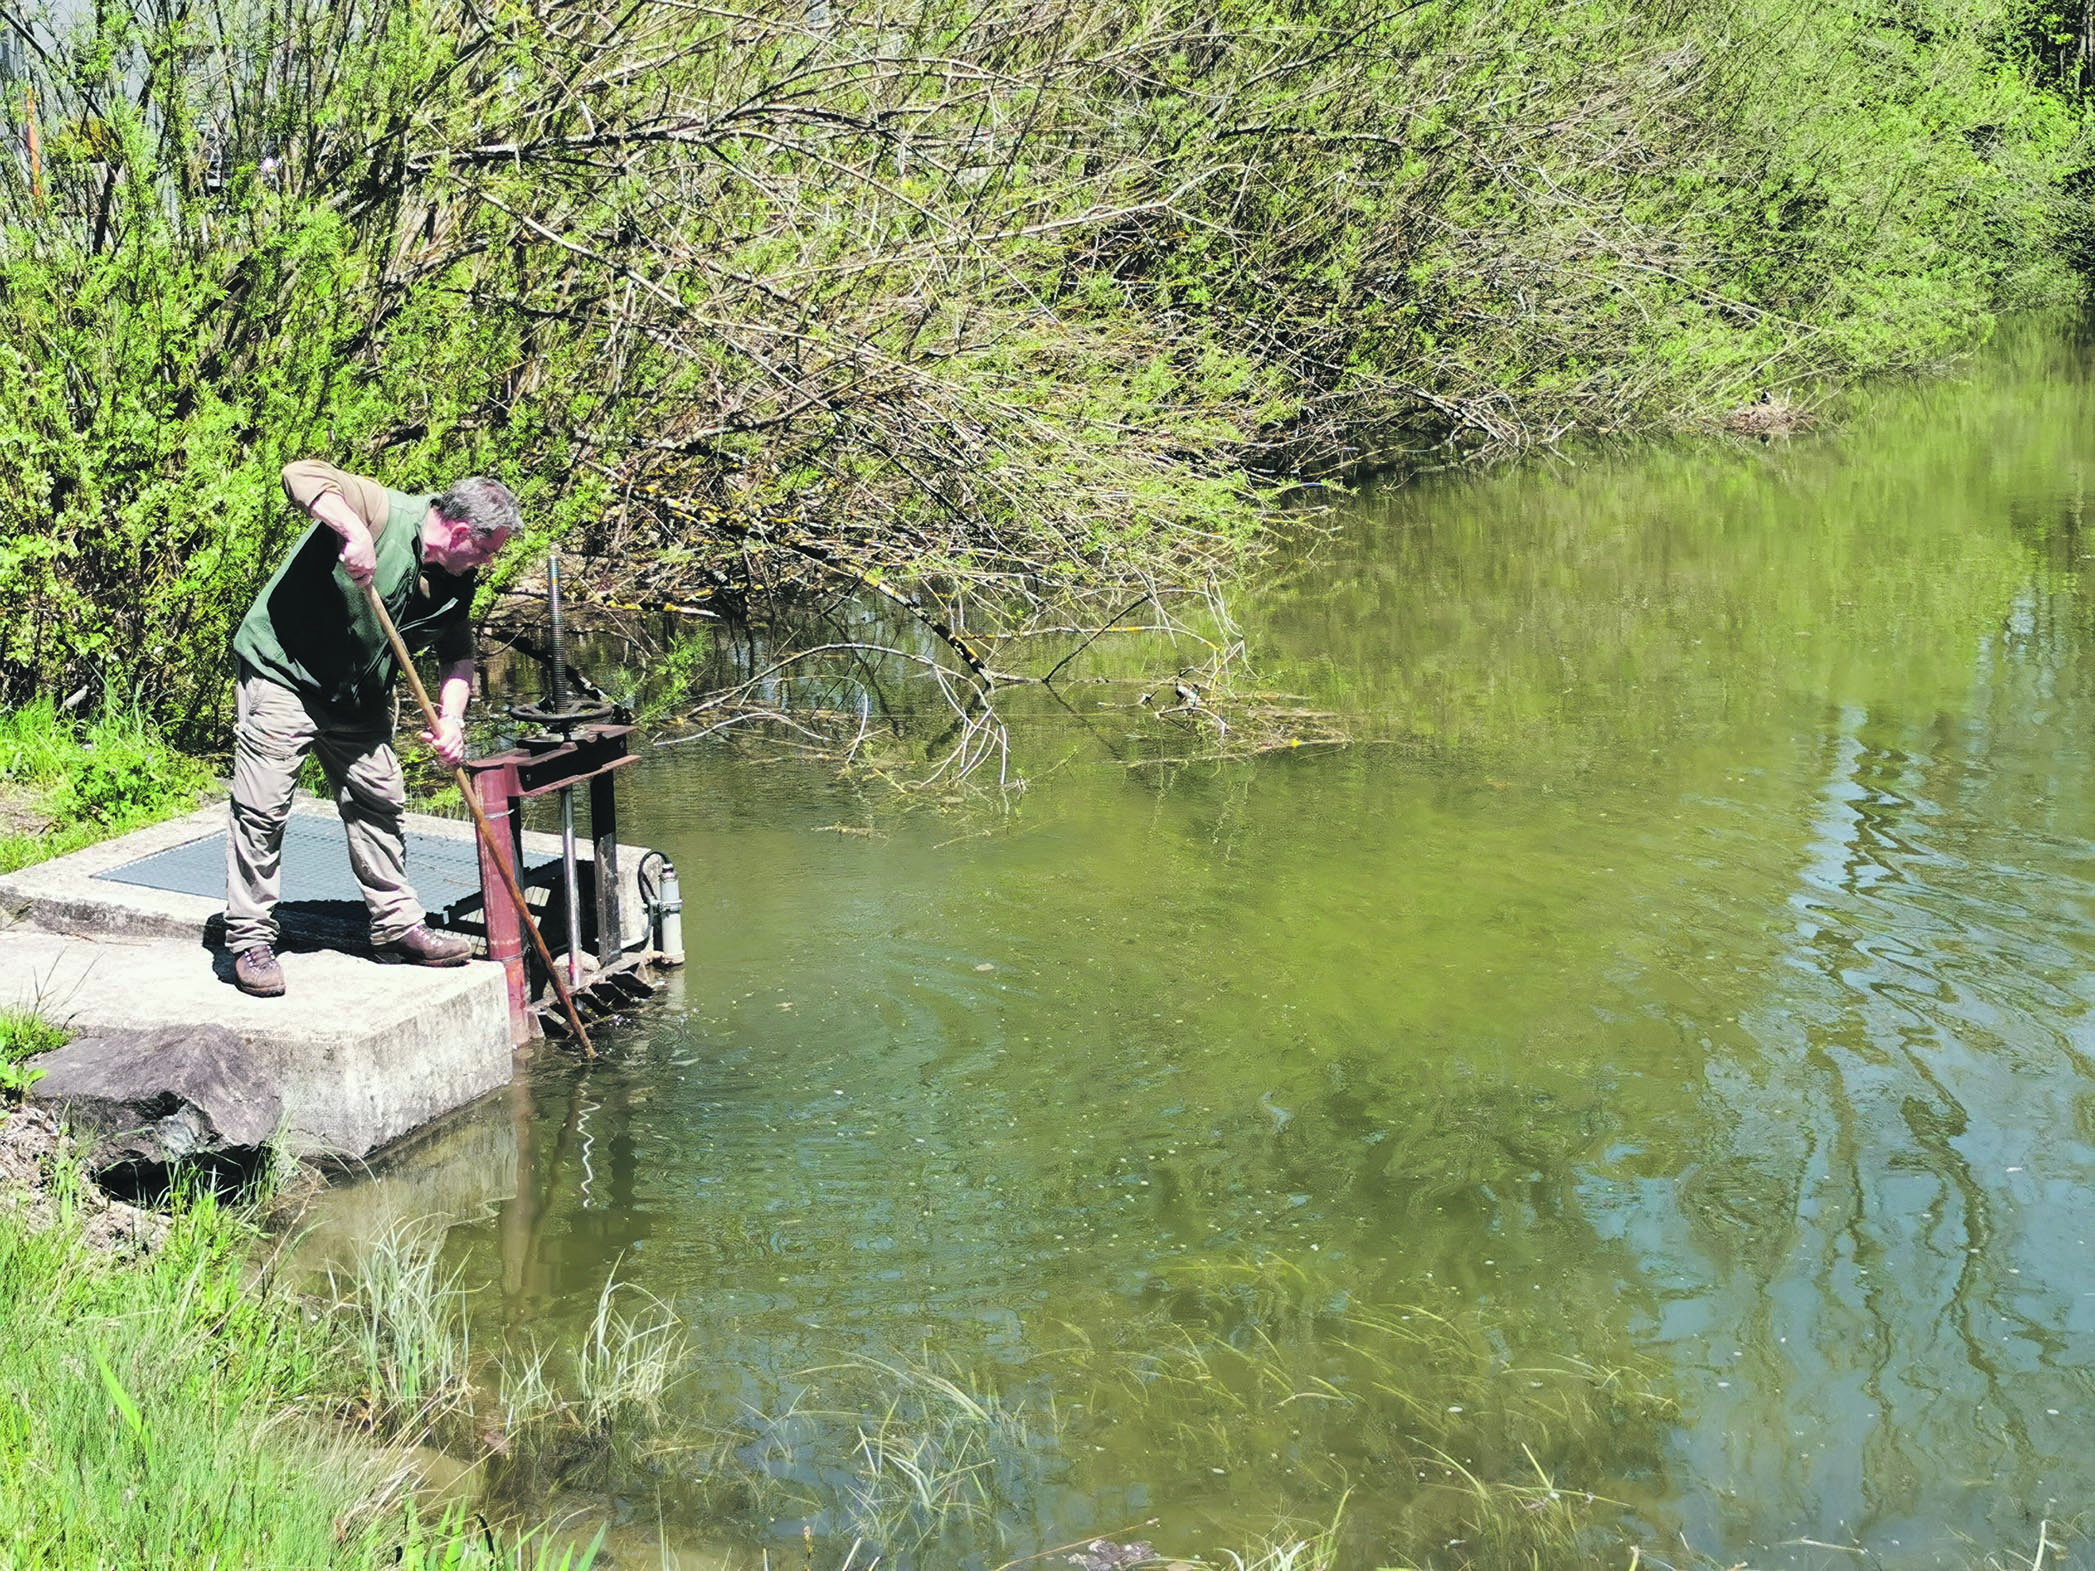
969,302
66,782
147,1424
172,1409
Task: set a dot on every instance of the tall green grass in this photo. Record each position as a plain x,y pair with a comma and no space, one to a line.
403,1318
151,1412
66,782
173,1412
23,1035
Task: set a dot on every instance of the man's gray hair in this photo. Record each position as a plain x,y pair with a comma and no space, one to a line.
487,507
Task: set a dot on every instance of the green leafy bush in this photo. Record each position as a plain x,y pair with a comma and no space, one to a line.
949,295
122,779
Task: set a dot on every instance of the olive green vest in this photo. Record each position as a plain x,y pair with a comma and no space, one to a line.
311,627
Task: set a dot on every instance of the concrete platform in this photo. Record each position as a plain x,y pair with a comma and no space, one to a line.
362,1053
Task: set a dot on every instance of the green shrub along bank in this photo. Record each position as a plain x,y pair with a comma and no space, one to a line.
66,783
946,293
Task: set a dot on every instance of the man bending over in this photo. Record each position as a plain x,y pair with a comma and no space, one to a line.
315,675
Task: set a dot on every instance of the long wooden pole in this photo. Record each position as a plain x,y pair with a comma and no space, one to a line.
487,830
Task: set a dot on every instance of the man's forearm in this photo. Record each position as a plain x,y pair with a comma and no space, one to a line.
359,554
454,689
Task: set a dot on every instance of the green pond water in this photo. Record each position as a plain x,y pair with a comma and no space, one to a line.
1652,1059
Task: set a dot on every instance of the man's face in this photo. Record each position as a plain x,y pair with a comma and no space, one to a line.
451,546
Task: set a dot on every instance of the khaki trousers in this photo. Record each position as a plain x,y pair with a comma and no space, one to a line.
274,731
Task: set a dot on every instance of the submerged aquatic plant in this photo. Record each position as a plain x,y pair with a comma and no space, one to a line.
1102,1554
1266,1364
932,1453
1239,1365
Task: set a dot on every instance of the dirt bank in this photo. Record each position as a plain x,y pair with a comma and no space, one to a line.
39,1180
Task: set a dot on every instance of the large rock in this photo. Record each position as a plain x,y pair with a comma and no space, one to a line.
160,1095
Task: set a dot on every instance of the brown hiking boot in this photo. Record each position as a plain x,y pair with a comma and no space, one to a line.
256,972
420,947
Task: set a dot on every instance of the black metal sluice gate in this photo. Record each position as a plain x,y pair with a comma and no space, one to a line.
569,748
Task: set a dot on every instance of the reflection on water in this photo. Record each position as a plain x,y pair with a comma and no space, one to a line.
1654,1059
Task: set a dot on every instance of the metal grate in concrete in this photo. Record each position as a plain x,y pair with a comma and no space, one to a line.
444,871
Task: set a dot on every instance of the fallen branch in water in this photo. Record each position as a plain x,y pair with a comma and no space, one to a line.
976,724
